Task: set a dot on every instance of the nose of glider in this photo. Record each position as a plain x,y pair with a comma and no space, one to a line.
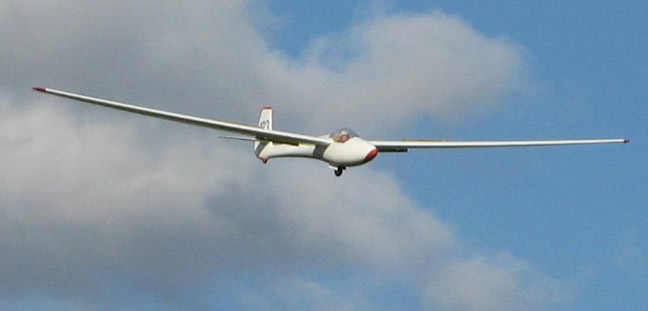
372,154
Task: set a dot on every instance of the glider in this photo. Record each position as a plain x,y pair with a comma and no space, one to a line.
341,149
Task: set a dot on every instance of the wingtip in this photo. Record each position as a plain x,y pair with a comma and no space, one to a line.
39,88
625,140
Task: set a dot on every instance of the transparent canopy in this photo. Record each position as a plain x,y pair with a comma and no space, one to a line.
343,135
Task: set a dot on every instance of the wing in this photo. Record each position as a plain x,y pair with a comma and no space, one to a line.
249,130
405,145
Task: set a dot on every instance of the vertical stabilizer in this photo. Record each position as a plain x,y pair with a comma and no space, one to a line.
265,122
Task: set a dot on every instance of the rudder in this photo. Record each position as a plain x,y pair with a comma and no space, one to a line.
265,122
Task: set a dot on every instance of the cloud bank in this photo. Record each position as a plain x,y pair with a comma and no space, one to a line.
100,210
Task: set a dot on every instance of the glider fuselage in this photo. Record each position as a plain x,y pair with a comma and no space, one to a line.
355,151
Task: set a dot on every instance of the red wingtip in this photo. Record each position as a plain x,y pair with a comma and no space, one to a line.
38,88
267,107
625,141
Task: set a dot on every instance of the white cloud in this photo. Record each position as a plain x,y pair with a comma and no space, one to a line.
302,294
498,283
101,201
208,55
397,67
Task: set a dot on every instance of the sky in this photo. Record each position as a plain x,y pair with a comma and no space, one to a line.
104,210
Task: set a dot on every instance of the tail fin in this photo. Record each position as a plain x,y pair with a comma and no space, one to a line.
265,122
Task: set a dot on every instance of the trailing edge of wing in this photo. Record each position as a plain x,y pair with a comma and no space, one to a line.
252,139
250,130
404,145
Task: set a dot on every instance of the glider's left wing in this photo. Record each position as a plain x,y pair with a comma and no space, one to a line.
405,145
249,130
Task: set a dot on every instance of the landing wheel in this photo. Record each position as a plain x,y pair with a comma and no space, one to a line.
339,171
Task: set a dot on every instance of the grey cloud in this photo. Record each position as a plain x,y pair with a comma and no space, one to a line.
165,55
90,203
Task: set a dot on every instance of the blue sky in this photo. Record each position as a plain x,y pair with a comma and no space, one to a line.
107,211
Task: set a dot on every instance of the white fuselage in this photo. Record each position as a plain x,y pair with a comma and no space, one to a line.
353,152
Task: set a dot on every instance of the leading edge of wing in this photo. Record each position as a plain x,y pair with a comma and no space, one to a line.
250,130
404,145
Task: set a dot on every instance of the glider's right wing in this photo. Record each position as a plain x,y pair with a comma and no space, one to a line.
249,130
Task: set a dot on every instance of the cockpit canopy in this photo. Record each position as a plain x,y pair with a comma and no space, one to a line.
343,135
